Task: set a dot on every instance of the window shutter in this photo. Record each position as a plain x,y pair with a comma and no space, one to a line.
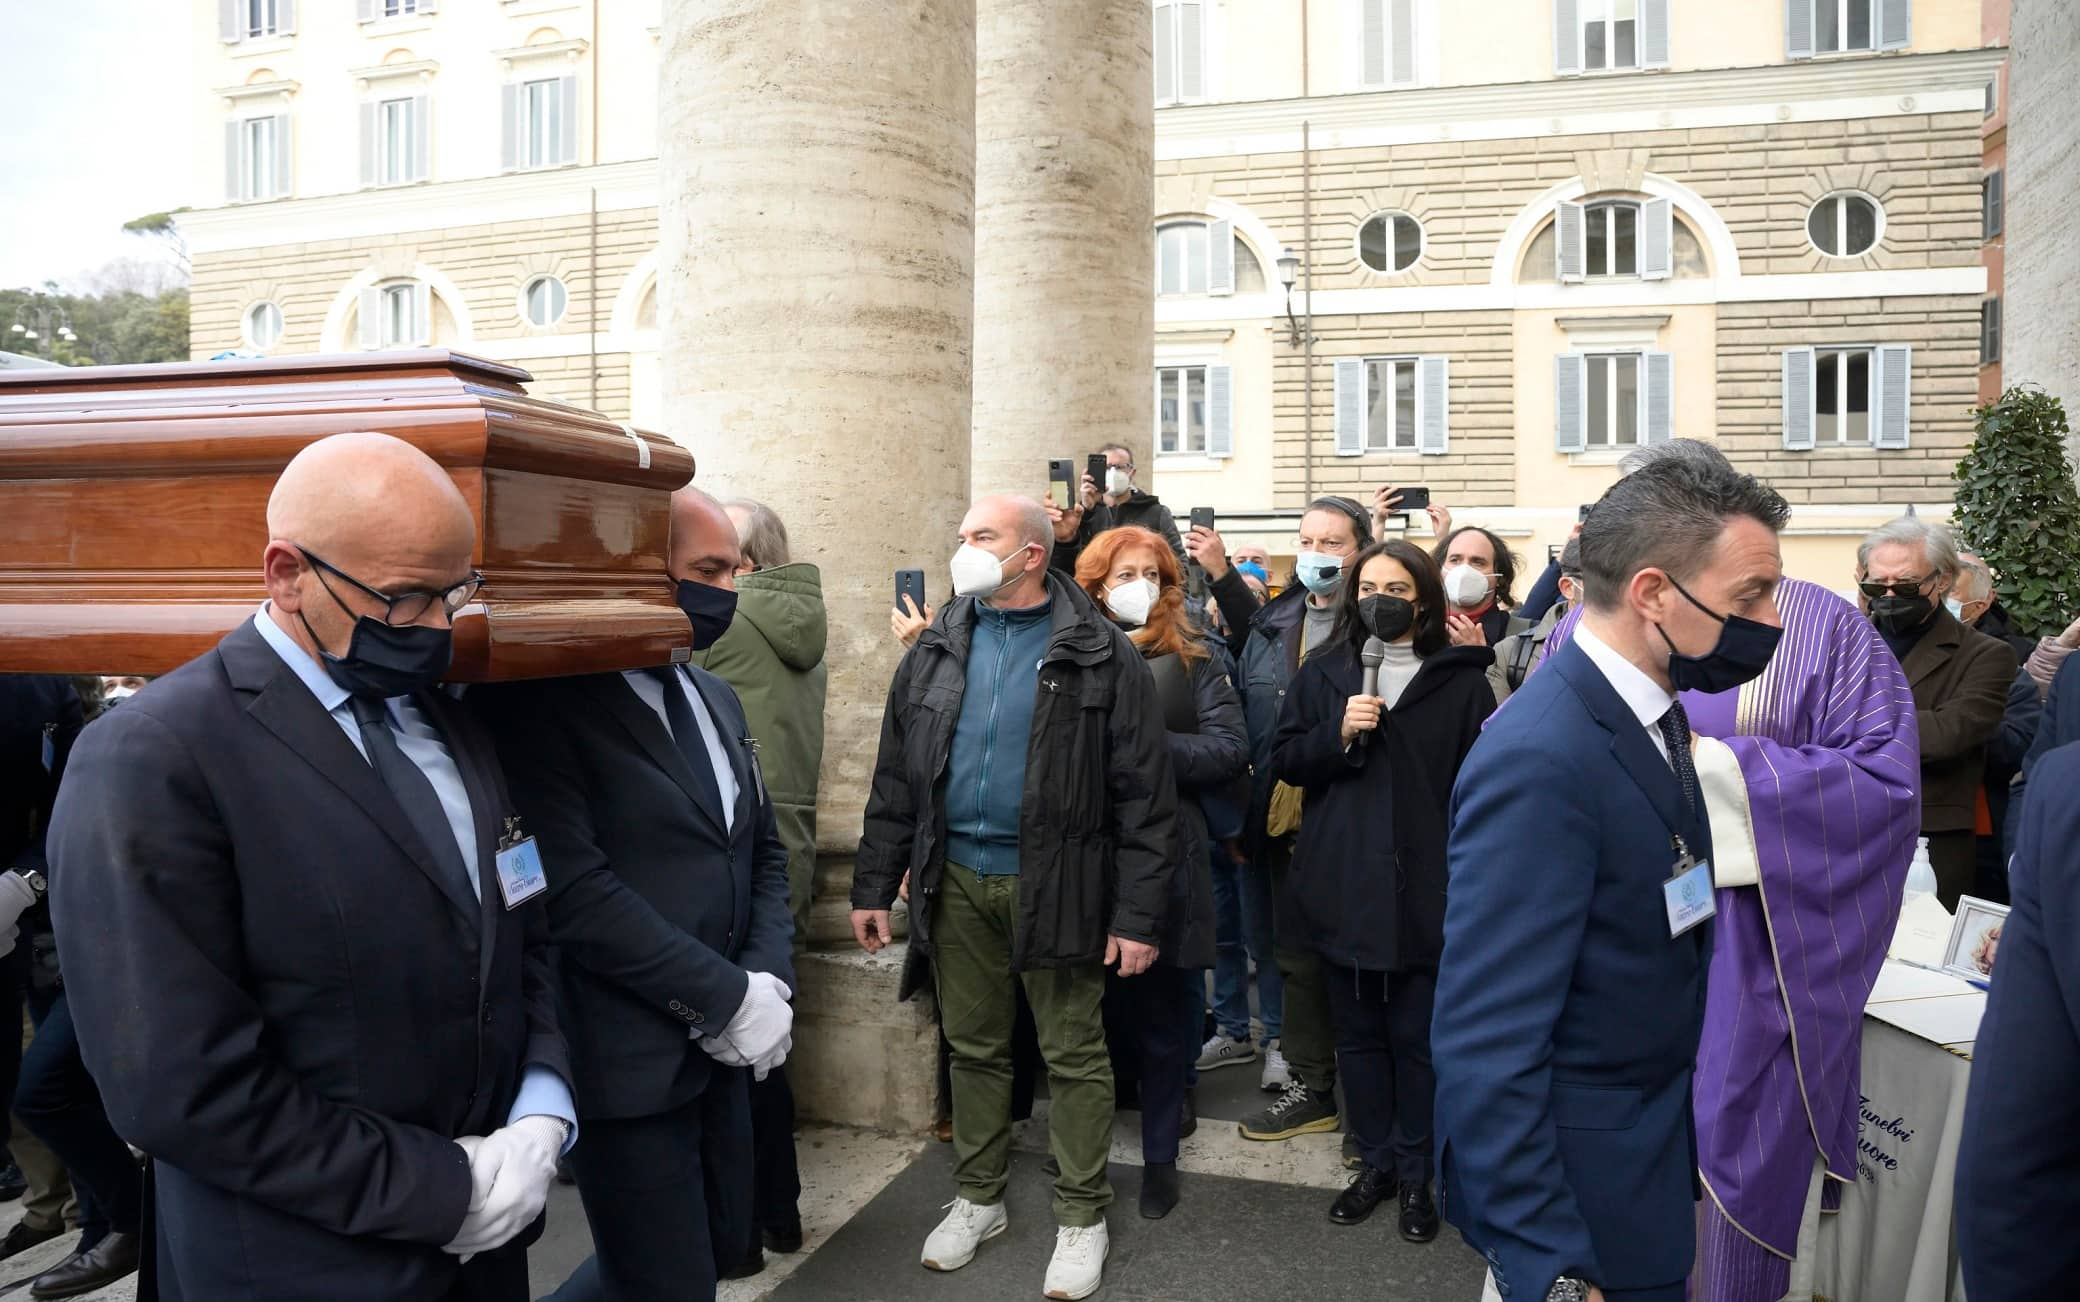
1166,53
1567,38
1372,40
1656,239
568,88
1895,28
285,17
427,6
509,131
1570,416
1191,51
231,26
1350,406
422,136
1567,246
1890,390
1798,399
1653,33
1658,395
370,112
233,138
1996,202
1220,411
372,318
1798,34
1433,405
1220,257
282,158
1989,331
1404,41
365,11
422,315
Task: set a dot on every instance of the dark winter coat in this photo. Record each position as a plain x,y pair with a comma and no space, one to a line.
1139,509
1097,834
1207,763
1368,870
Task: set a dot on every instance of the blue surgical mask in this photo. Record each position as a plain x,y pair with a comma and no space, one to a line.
1955,607
1322,574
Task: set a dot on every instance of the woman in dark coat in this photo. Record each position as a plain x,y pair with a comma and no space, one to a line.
1369,869
1154,1020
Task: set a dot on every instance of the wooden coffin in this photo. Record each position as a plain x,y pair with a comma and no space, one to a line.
133,504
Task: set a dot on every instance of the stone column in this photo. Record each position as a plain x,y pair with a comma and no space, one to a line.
816,296
1064,209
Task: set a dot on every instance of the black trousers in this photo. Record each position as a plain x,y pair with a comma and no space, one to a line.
668,1197
1383,1057
60,1104
776,1192
1152,1024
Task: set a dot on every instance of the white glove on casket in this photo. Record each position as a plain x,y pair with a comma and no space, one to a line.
510,1170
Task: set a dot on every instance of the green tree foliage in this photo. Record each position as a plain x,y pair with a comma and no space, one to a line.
2018,508
113,327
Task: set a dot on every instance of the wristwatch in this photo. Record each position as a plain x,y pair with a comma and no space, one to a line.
35,879
1568,1288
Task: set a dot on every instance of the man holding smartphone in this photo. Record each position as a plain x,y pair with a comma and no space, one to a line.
1110,505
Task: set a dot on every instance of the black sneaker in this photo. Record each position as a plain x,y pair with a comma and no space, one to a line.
1418,1214
24,1237
1298,1111
1367,1190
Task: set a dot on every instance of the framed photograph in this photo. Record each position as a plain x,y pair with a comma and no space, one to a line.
1975,938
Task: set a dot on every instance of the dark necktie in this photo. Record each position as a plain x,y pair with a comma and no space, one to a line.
686,731
1675,730
414,791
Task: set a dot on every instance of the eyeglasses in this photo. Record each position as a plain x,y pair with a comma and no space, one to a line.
1897,588
405,607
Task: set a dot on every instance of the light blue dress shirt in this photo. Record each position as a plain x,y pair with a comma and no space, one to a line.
652,693
542,1091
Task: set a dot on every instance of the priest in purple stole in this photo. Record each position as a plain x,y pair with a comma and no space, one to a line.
1811,775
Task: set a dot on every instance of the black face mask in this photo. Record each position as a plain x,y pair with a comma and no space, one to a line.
708,608
385,660
1742,653
1387,617
1897,615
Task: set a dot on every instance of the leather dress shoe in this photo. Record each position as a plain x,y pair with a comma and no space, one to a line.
785,1238
748,1267
1368,1189
1418,1214
24,1237
115,1257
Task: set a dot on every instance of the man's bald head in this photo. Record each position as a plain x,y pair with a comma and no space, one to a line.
704,547
1022,520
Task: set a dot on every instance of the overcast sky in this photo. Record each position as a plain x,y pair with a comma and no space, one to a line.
96,130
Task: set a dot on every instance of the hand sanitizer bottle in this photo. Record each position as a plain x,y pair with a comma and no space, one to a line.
1921,875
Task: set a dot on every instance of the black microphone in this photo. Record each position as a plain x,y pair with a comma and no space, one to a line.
1371,655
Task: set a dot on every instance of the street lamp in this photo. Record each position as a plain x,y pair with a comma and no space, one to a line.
36,324
1288,272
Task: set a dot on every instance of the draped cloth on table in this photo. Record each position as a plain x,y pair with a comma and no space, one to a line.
1829,757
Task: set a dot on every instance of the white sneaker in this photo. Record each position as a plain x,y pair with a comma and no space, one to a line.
1277,1075
966,1227
1079,1261
1220,1051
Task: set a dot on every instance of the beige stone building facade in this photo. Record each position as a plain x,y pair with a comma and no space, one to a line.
1523,235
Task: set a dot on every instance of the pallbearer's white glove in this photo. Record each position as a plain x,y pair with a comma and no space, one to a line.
510,1171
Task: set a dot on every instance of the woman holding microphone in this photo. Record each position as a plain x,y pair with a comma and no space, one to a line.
1376,769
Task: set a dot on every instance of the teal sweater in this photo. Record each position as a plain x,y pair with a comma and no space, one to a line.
986,773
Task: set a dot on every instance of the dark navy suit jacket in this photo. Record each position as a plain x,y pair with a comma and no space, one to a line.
1567,1018
2018,1165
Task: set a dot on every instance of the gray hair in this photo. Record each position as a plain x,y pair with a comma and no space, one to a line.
1981,585
760,533
1648,454
1934,541
1669,516
1571,559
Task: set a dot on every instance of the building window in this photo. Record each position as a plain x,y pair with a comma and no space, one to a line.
397,326
1844,225
1612,397
1840,26
1603,401
1610,34
1845,26
399,8
1180,39
1612,239
1181,409
1196,257
1386,42
1993,200
1390,242
396,315
1989,331
1842,395
540,123
257,158
263,325
262,18
1993,95
399,141
546,299
1390,404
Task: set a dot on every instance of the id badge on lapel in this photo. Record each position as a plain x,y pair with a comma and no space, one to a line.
1688,892
519,864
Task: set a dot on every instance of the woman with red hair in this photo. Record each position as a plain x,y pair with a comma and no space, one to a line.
1153,1020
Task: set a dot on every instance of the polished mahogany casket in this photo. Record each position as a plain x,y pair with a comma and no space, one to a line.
133,509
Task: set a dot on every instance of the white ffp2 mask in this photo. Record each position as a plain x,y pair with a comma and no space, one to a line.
1465,586
978,572
1133,600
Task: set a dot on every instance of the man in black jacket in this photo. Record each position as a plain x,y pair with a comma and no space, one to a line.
668,906
281,898
1110,505
1024,784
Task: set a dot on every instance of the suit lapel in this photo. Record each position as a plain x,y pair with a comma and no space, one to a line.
1629,742
1934,648
486,809
620,700
285,707
733,747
